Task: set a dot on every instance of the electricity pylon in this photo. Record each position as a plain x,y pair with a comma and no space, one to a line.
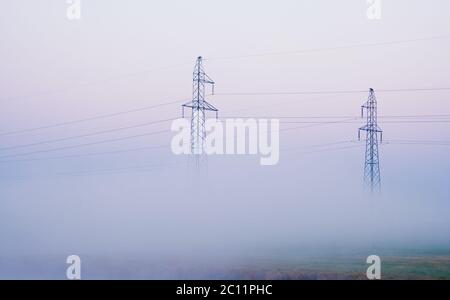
199,107
372,176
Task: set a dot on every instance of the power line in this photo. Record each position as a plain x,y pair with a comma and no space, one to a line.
85,135
272,117
352,122
289,93
90,118
148,148
408,142
414,90
421,141
311,50
317,124
424,143
138,73
85,145
317,146
104,171
93,83
313,124
115,170
335,117
180,101
231,57
330,92
85,155
418,121
326,150
419,144
416,116
335,149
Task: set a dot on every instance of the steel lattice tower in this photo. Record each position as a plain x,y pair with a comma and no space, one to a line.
199,107
372,177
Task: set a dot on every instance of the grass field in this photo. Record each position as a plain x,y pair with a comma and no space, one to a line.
396,265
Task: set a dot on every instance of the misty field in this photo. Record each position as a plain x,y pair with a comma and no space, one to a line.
350,268
396,265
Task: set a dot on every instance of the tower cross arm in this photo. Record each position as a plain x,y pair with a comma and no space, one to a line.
208,80
203,105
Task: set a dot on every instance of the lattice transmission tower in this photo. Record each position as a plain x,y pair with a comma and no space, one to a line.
372,176
199,107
